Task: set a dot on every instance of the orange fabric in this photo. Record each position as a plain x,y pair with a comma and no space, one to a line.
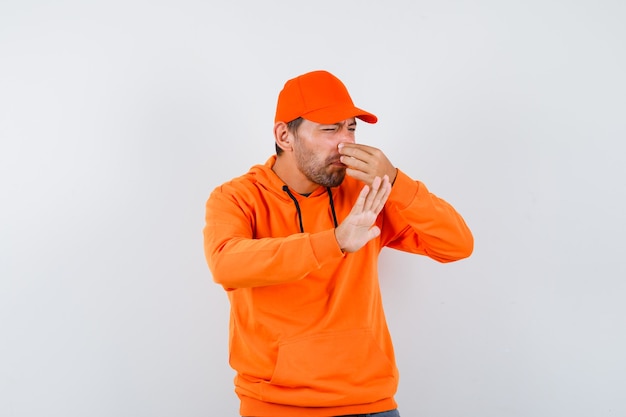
320,97
308,335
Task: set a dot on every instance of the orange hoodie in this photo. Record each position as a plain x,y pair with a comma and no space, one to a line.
308,335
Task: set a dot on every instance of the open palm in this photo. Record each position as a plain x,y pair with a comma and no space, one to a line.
358,228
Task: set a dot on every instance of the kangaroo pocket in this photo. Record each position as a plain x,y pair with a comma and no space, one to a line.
331,369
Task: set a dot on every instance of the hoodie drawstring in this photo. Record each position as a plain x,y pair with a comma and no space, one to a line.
332,205
295,202
286,189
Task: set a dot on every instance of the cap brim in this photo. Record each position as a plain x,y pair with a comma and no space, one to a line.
334,114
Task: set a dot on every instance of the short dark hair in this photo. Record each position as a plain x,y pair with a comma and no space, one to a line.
292,126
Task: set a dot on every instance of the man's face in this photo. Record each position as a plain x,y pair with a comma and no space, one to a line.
316,153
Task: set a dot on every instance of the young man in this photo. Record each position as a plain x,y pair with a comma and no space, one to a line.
295,243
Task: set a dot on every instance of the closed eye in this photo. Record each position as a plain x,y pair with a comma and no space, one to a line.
333,128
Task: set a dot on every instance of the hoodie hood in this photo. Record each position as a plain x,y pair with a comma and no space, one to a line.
266,178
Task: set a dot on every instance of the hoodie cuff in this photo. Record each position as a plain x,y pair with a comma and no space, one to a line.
325,246
403,191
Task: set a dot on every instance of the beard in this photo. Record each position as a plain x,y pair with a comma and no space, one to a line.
324,173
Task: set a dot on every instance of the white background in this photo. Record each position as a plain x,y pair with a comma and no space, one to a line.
118,118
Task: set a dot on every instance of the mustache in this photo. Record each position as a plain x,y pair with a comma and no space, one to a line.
334,159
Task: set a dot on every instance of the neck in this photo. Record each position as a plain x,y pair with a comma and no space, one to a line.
289,173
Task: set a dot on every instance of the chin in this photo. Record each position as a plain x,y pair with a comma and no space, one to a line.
337,179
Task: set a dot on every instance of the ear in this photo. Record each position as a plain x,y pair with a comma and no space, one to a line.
284,138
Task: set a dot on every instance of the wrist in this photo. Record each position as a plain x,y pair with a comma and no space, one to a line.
338,239
392,179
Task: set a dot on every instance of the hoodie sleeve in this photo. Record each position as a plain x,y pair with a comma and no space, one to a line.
416,221
238,259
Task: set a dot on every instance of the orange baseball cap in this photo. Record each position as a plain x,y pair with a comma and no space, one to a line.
320,97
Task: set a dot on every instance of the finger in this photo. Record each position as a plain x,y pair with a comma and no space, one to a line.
359,175
354,163
371,200
373,233
358,159
356,149
381,196
360,201
385,191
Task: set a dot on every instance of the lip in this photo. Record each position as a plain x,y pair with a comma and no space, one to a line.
336,161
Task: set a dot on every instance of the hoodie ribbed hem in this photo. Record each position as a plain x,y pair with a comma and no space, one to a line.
251,407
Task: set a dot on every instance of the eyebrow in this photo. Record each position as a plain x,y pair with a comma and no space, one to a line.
340,124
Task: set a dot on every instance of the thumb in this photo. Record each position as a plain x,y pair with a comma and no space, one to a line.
373,232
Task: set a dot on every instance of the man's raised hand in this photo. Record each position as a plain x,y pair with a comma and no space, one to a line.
366,162
359,227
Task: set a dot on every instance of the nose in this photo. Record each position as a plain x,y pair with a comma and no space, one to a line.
347,135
